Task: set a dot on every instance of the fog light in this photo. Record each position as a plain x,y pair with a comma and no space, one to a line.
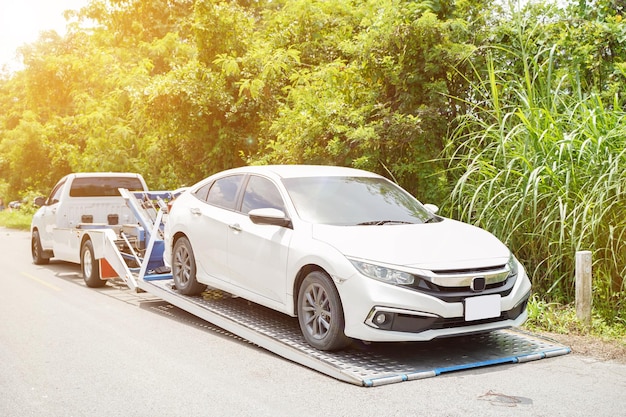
380,319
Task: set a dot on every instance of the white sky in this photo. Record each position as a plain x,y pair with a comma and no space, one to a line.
21,21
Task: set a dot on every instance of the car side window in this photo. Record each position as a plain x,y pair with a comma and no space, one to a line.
261,193
224,191
55,195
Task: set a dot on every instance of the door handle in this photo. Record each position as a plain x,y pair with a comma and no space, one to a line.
235,227
195,211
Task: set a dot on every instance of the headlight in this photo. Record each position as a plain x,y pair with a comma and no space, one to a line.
512,265
381,273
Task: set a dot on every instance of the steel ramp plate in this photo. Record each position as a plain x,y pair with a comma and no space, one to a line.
361,364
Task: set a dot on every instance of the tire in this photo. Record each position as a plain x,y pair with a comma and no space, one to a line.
90,266
184,268
320,313
38,254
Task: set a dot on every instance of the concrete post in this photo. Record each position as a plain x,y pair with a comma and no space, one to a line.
583,287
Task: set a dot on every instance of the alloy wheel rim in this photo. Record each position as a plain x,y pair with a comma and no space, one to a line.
183,266
317,313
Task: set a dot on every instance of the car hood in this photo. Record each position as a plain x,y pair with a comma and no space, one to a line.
447,244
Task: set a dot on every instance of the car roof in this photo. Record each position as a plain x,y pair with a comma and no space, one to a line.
298,171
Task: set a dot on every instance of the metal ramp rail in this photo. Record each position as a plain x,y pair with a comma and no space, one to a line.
367,365
149,215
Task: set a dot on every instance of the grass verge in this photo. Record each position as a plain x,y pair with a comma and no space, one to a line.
15,219
561,319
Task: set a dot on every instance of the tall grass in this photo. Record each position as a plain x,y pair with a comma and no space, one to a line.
543,167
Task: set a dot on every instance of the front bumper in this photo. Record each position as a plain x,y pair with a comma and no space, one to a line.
379,312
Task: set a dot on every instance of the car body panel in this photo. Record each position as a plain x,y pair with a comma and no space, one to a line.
431,245
209,224
250,246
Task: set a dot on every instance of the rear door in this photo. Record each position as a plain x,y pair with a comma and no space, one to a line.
211,215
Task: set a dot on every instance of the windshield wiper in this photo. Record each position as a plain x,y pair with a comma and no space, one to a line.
382,222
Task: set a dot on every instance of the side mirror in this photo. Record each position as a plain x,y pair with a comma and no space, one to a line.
39,201
270,216
432,208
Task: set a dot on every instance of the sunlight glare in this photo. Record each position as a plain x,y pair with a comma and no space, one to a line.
22,21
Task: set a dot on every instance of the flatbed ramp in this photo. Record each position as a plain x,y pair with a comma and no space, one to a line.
367,365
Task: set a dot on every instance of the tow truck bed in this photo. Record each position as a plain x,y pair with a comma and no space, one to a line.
367,365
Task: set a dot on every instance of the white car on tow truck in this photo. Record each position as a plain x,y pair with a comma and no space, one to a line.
348,252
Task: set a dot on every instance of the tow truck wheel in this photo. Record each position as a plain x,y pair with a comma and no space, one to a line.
184,268
90,267
320,313
36,250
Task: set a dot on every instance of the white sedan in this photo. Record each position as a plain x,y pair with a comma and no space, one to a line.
348,252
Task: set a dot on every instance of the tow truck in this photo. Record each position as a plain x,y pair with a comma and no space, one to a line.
134,254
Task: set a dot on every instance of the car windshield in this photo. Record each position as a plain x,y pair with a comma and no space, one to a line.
354,201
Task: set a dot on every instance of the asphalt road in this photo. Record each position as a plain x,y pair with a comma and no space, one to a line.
67,350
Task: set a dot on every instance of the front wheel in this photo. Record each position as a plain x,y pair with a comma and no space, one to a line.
37,252
184,268
320,313
90,266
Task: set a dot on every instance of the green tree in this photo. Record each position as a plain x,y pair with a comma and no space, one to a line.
369,88
24,159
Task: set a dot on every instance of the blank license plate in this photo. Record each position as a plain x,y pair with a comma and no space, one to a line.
482,307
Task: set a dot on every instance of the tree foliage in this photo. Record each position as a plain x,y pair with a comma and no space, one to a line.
179,89
494,102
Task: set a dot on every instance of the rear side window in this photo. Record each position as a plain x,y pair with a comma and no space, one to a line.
103,186
203,192
223,192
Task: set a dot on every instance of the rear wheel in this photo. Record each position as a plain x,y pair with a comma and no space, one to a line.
39,257
90,266
184,268
320,313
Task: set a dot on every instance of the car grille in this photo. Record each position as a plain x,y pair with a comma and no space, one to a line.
455,285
